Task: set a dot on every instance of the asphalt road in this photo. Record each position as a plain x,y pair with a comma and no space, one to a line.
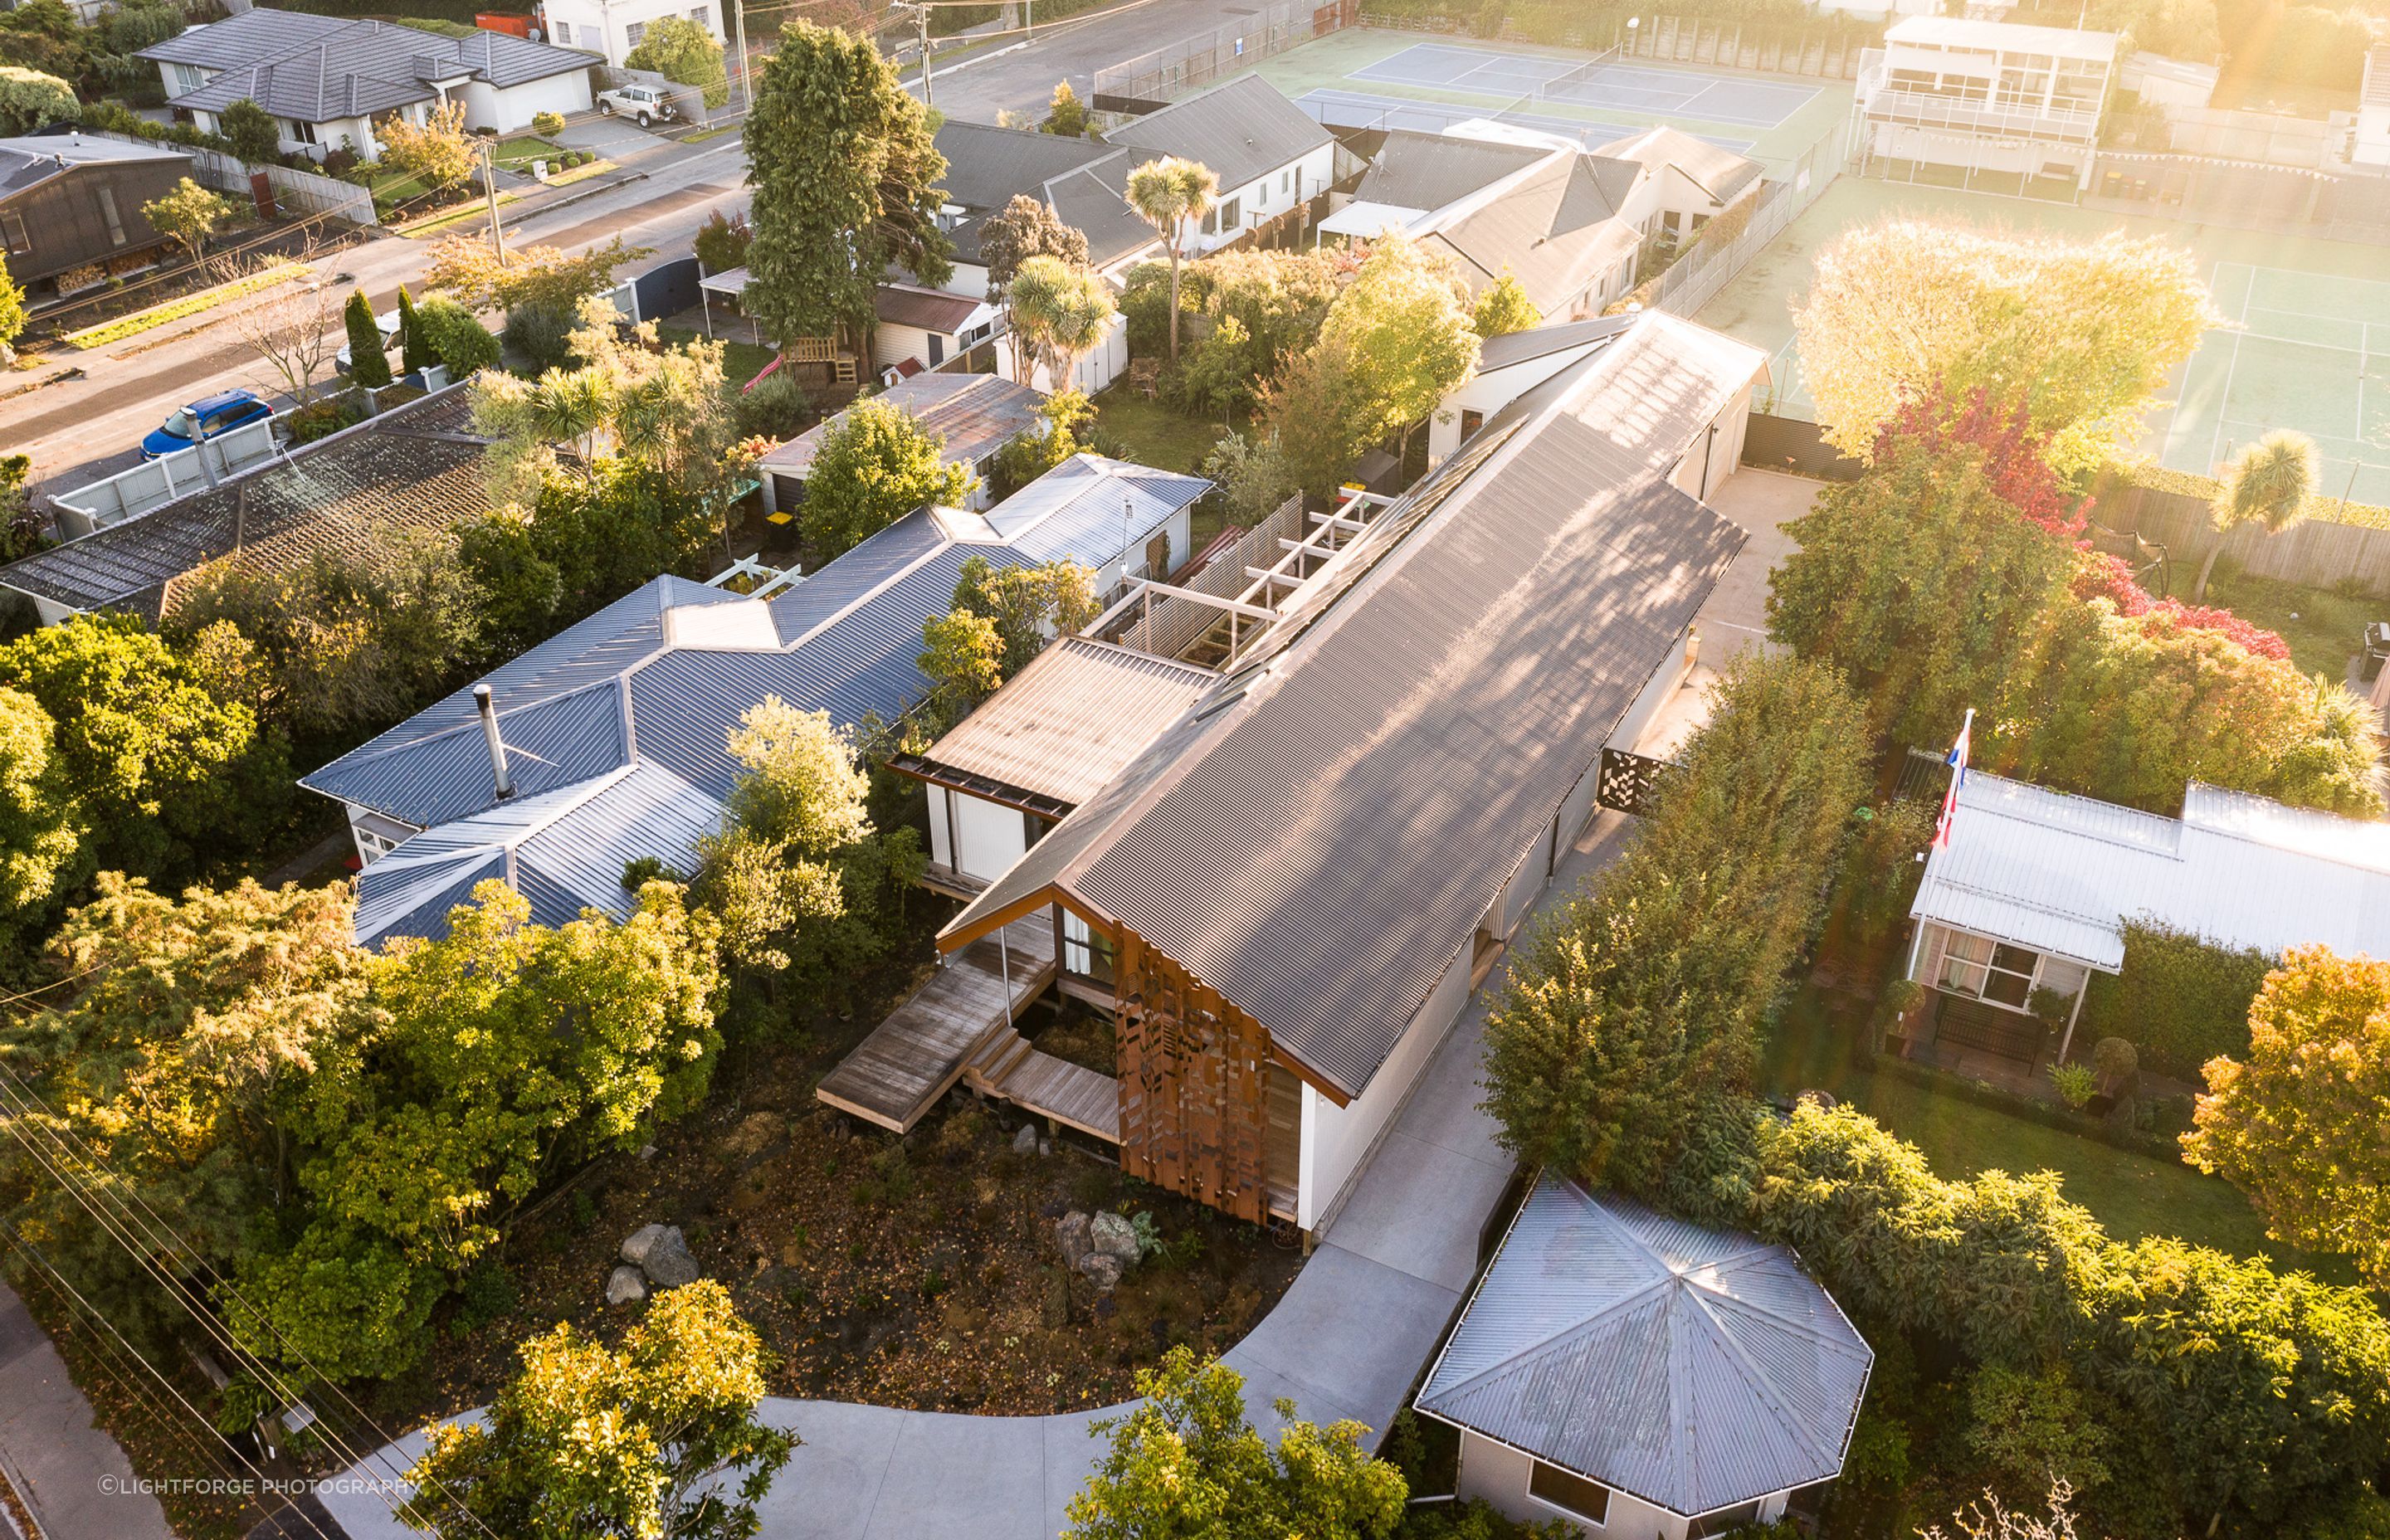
975,89
79,430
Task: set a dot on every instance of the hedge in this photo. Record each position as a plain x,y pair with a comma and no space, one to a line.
2188,483
2181,999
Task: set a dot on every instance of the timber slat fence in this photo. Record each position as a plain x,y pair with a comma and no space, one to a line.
1173,625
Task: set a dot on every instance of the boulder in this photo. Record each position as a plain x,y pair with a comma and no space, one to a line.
659,1251
626,1286
1103,1269
1072,1235
1115,1238
1024,1139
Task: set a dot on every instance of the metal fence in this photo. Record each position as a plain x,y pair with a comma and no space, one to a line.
1153,80
304,192
1826,52
2330,205
1167,626
1695,278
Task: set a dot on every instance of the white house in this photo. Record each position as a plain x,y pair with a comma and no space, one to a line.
1286,895
328,82
2034,887
1273,160
2369,146
1994,98
1510,365
1636,1374
611,29
1568,223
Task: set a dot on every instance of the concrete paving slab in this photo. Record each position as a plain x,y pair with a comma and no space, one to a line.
74,1477
1402,1217
831,1484
946,1474
1353,1332
1070,1456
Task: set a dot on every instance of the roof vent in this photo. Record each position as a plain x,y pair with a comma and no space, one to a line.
483,703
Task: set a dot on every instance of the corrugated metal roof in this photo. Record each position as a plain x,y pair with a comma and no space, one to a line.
418,467
1692,1367
1089,503
1243,130
1520,347
1071,722
1551,227
1319,839
929,309
2062,874
1716,168
972,414
1418,170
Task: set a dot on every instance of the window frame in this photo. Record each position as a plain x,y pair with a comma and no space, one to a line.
108,211
1563,1479
13,235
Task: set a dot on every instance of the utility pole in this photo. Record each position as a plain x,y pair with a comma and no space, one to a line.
921,17
738,33
490,186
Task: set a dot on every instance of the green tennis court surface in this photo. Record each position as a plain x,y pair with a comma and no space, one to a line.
2307,350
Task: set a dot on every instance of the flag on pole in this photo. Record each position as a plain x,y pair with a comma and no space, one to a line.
1957,761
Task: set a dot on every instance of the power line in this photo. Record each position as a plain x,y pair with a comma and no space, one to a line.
217,1331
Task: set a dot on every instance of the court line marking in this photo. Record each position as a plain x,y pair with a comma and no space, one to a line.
1620,78
2224,402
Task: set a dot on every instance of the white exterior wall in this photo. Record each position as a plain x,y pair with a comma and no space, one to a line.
1499,1474
603,26
1264,199
1095,372
1664,682
514,108
892,344
1488,393
1337,1139
990,836
1131,562
2372,144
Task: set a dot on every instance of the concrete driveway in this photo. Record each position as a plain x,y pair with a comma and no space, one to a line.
73,1476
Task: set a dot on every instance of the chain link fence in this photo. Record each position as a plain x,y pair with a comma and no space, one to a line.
1155,79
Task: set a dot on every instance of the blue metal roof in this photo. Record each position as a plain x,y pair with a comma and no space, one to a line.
1090,506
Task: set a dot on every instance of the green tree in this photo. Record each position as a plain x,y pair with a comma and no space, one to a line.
1642,1002
2268,484
685,52
1065,114
655,1440
252,131
847,184
2082,334
46,36
1404,325
415,351
1024,228
2296,1124
1028,605
1505,308
722,241
30,99
1167,194
41,820
188,215
368,365
1061,314
455,338
1187,1462
148,748
1063,420
578,546
963,656
209,1042
873,466
12,308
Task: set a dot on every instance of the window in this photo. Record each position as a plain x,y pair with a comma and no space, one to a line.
937,349
1987,969
1230,213
108,212
635,31
1719,1520
12,230
1472,420
1212,221
188,77
299,129
1569,1491
1286,181
703,16
564,31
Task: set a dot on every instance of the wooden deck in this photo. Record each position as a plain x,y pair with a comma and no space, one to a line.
897,1074
1008,1067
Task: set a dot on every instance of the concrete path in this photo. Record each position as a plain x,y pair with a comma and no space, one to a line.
72,1475
1347,1339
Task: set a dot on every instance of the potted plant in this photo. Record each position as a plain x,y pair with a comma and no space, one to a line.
1900,1000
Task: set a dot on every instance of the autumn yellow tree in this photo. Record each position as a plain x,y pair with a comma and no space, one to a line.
439,153
2298,1125
2081,333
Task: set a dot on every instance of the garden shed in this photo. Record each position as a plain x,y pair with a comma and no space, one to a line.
2034,887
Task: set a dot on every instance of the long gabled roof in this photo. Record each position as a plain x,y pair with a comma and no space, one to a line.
988,167
418,467
1242,130
1555,227
1091,502
1318,837
1695,1369
26,163
319,70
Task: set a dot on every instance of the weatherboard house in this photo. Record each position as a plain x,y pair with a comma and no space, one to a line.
1283,871
607,743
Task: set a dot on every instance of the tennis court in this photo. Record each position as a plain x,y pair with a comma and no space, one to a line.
1603,86
2307,350
1349,110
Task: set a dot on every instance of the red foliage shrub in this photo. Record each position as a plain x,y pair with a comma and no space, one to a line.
2106,577
2011,453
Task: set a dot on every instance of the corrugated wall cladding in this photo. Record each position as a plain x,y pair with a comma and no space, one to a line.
1692,1369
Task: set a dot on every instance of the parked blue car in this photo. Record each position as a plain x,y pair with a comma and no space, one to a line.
204,419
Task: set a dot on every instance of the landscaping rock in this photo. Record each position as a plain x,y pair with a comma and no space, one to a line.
1115,1238
1071,1233
1024,1139
659,1251
1103,1269
626,1286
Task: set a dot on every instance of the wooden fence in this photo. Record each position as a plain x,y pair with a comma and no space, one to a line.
2315,553
305,192
1172,624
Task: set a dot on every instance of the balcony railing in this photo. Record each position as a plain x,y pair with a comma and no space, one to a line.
1885,102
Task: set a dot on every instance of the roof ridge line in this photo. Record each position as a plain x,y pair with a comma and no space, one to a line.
1760,1379
946,544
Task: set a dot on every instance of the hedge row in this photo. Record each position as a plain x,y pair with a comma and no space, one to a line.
2181,999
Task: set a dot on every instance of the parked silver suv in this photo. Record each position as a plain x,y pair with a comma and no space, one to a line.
644,103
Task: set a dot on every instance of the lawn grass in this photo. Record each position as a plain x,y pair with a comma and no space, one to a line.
478,209
519,151
1152,432
2133,1195
2324,629
139,321
740,361
581,172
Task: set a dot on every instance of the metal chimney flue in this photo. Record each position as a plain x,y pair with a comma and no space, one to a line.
489,711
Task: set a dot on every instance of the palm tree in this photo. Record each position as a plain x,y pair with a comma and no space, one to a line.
572,406
2266,484
1167,194
1061,311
